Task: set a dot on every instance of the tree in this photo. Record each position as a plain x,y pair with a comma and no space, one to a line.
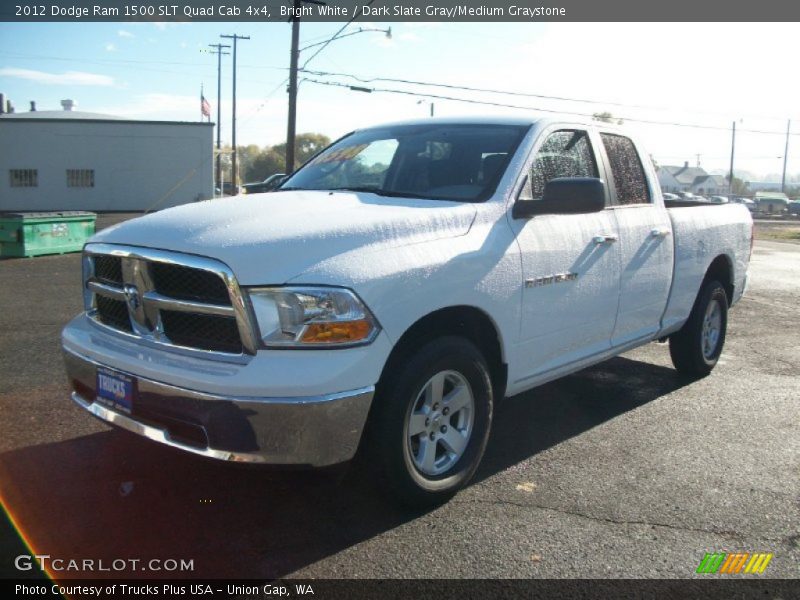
306,145
739,187
244,157
607,117
267,162
793,191
256,164
225,162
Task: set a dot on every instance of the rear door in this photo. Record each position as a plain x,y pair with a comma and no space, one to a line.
570,264
645,246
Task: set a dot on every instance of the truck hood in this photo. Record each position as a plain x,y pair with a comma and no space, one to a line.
272,238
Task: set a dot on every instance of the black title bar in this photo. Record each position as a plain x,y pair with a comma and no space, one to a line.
520,11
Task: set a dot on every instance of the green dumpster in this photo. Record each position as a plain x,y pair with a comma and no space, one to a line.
33,234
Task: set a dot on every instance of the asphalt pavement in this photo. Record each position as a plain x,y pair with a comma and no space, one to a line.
622,470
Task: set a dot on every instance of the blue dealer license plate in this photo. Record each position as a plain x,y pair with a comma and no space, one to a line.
115,390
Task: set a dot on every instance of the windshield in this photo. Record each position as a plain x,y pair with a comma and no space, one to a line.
445,162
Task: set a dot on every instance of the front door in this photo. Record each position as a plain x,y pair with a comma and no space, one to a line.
570,266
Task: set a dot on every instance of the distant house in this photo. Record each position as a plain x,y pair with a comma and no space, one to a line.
691,179
679,179
710,185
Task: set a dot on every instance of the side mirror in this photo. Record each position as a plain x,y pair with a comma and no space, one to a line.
565,196
276,182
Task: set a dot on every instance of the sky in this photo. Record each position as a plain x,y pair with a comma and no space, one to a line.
676,74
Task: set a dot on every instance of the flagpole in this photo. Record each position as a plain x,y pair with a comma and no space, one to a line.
201,102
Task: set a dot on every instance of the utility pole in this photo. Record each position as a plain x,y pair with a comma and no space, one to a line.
234,173
218,167
785,157
293,60
733,148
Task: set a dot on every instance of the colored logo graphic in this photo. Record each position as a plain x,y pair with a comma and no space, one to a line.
734,562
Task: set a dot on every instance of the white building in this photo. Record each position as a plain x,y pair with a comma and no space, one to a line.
710,185
691,179
69,160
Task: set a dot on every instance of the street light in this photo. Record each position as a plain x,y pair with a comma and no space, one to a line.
786,156
426,102
388,33
291,128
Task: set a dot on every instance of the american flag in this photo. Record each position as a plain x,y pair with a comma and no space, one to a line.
205,107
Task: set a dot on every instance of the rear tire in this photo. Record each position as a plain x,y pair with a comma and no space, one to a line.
696,347
430,422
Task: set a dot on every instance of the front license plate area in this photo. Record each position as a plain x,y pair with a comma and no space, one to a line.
115,390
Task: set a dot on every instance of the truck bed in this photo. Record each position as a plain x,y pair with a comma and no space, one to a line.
688,203
698,230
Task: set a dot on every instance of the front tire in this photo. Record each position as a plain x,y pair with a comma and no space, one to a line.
431,420
696,347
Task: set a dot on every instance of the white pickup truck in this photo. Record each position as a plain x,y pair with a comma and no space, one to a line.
392,290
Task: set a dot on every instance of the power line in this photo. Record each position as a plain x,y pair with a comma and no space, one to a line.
266,98
102,61
475,89
408,82
122,61
511,93
537,109
416,83
324,45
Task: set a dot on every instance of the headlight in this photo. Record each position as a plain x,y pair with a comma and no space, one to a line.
311,316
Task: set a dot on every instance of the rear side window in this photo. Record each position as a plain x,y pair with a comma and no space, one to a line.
626,166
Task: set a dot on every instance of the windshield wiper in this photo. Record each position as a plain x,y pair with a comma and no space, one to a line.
365,188
376,191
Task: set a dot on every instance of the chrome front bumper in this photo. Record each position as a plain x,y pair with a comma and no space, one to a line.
311,430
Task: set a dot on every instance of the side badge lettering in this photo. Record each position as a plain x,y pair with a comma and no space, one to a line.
558,278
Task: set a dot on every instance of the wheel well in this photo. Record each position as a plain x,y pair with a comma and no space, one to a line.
466,321
721,270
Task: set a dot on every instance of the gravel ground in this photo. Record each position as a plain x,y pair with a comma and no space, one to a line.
622,470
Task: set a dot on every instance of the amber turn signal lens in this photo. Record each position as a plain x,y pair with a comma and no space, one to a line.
337,333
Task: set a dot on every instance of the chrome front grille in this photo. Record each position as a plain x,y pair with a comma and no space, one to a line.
108,269
187,283
168,299
113,313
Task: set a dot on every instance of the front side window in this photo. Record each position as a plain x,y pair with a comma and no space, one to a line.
441,162
566,153
626,166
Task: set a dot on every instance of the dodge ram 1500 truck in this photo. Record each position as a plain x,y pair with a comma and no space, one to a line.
392,290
